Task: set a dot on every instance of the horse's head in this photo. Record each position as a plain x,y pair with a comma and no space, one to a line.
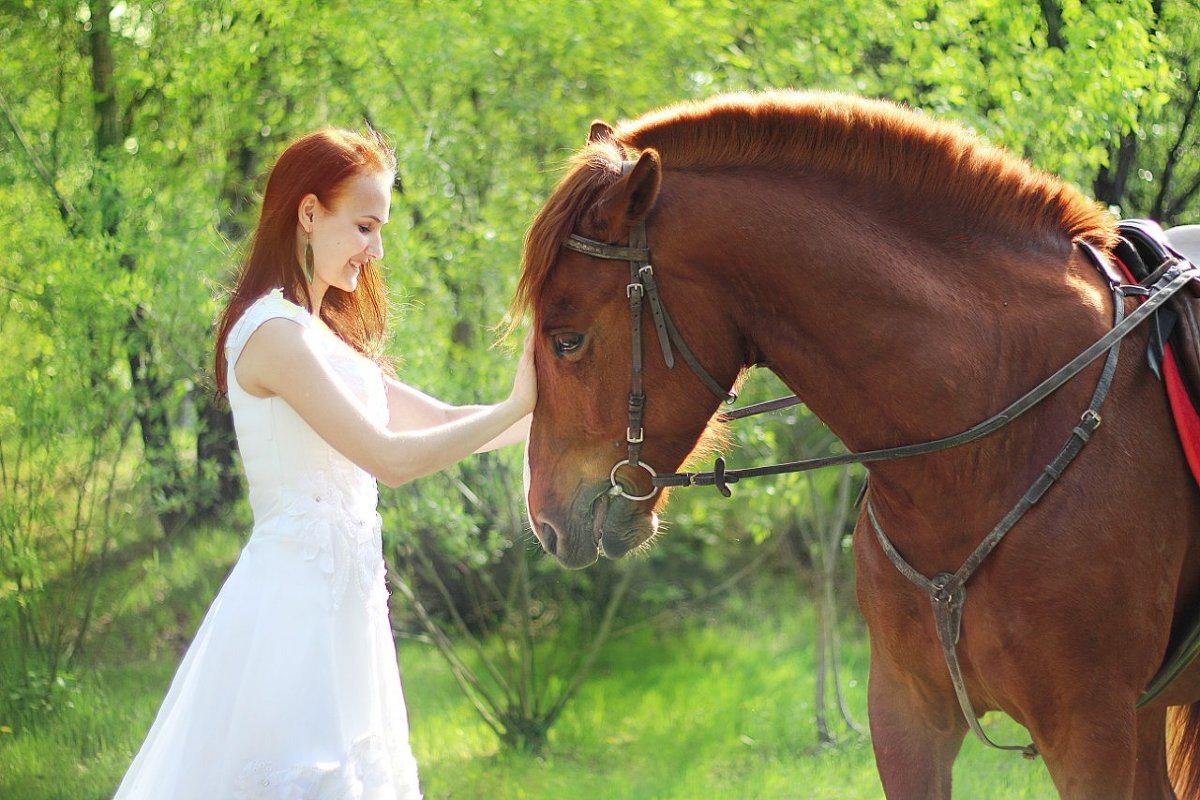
584,496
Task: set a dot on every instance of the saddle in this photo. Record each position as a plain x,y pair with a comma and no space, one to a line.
1174,355
1145,252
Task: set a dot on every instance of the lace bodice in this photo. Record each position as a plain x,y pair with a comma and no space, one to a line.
300,487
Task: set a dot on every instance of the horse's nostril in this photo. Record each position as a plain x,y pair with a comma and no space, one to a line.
549,538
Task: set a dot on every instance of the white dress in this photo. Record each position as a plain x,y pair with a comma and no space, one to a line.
290,689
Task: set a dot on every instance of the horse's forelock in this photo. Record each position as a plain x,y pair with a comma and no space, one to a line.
591,169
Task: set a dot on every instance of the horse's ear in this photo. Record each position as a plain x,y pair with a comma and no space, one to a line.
644,181
600,131
628,201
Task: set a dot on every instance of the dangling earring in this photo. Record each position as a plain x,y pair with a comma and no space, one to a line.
308,261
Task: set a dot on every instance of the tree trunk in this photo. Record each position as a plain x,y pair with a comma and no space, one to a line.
1165,205
1113,179
1052,13
150,389
1110,183
218,482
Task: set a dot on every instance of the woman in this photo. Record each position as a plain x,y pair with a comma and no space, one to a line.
290,688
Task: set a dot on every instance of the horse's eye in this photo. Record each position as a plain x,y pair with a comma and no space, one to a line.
566,343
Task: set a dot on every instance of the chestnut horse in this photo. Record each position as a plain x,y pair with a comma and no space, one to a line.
905,281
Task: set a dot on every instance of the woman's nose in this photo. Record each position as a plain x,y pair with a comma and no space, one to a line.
375,248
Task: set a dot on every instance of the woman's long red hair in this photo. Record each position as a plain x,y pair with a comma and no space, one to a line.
317,163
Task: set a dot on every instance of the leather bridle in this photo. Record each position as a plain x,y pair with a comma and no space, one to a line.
642,286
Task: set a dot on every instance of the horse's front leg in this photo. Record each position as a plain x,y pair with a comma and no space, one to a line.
1101,749
915,735
1150,778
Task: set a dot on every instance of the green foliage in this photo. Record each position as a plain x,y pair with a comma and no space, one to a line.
483,101
64,426
1164,179
40,696
118,250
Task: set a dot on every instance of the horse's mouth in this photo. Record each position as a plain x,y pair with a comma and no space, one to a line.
615,544
600,512
618,526
594,539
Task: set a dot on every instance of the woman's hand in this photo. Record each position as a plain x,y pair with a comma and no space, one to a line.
524,391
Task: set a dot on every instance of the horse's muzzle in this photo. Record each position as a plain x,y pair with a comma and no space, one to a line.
597,523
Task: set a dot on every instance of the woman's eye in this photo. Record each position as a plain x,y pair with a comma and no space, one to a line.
364,228
566,343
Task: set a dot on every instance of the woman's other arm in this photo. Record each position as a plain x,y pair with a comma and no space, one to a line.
410,409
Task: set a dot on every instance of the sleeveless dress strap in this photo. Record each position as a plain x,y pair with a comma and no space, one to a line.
269,306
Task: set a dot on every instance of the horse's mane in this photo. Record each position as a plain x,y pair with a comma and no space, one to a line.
842,134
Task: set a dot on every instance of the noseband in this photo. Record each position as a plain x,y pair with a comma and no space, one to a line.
642,286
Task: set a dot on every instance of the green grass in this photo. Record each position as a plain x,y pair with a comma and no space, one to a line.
717,707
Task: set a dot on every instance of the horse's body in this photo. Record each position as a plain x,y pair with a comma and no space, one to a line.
906,282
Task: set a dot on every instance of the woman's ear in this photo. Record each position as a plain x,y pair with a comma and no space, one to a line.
306,212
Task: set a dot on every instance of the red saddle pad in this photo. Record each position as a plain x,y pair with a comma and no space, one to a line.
1187,421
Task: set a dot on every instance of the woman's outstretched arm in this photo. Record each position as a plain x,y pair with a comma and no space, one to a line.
280,360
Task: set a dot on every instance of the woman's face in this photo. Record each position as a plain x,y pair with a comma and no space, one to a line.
346,237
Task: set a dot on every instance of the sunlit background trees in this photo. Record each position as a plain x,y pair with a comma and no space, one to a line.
134,137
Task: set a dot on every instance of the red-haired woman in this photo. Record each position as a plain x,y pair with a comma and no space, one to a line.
290,688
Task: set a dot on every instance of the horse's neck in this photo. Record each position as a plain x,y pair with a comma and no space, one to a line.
892,337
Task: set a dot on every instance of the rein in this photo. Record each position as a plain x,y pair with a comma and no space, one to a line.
946,591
